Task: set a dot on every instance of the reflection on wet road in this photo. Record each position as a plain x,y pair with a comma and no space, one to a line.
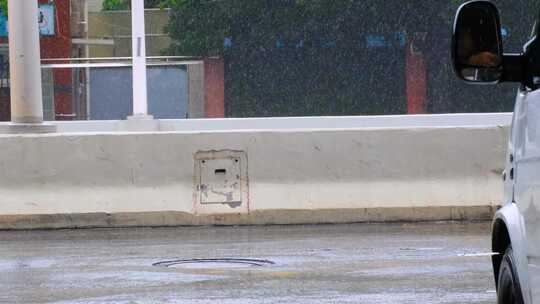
399,263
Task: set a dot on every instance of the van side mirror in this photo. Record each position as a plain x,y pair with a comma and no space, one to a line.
477,51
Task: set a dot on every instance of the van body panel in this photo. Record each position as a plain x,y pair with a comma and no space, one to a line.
527,180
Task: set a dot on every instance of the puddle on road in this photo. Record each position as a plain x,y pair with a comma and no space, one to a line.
217,263
477,254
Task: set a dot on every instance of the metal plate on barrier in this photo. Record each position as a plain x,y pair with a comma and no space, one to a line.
221,182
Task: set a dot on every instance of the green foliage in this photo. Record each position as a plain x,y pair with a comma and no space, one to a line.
3,6
198,27
116,5
332,73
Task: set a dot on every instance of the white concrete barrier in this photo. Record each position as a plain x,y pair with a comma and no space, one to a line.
296,123
391,172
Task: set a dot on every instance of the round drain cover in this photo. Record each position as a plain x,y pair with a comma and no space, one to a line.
214,263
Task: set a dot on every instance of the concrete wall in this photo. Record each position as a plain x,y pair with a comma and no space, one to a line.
196,90
47,82
280,176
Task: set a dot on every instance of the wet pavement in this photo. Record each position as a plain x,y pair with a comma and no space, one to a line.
398,263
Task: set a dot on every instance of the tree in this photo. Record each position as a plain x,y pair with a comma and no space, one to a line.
310,57
200,26
4,6
292,57
115,5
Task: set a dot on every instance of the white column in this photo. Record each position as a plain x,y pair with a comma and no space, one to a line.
87,55
25,63
140,97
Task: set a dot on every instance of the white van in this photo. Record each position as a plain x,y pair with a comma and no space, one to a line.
478,57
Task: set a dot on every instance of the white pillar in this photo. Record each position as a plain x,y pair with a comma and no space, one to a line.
140,97
24,62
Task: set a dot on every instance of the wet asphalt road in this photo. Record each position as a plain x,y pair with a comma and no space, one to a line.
400,263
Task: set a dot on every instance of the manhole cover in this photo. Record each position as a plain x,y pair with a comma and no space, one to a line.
214,263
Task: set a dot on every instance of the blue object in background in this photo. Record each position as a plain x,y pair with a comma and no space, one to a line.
3,24
47,20
279,43
375,41
111,95
329,45
46,17
227,42
504,32
396,39
401,38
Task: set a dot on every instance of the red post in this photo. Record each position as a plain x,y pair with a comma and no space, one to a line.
214,88
416,81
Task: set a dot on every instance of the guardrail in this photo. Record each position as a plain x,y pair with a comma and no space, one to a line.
255,171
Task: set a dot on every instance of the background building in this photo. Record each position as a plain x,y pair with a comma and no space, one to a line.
86,67
263,58
55,27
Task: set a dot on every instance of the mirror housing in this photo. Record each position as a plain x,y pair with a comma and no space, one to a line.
477,51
